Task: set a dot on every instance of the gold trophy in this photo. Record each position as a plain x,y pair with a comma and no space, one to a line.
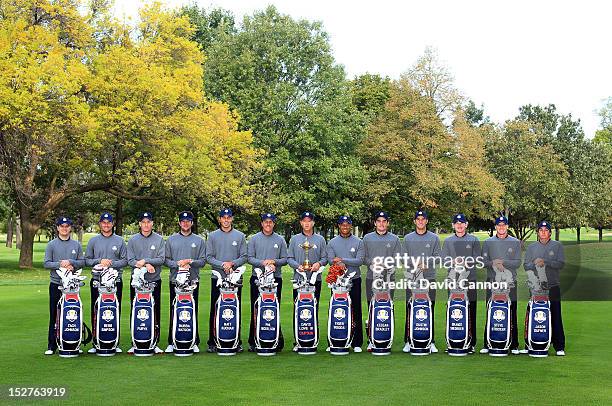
306,246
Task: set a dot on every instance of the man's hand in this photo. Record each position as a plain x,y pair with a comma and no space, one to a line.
315,267
539,262
336,260
227,267
70,267
269,262
184,263
64,263
106,262
498,264
140,263
150,268
300,268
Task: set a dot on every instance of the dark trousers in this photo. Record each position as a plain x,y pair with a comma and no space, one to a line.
214,295
513,320
254,296
156,306
317,296
558,335
196,295
432,298
94,296
54,297
355,294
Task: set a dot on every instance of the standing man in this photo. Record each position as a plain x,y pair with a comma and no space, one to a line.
61,252
185,250
502,257
147,249
346,250
109,250
226,250
548,254
422,247
266,248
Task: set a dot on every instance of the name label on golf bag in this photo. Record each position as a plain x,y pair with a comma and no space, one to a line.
538,324
420,321
267,321
70,322
143,321
381,320
306,324
106,321
457,330
340,321
226,320
184,322
498,322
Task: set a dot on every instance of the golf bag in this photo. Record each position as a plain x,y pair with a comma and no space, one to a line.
266,313
340,318
106,316
144,333
70,330
457,315
419,315
306,324
184,320
226,329
538,328
498,331
381,322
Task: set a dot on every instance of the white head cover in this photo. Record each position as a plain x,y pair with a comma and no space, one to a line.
138,276
108,277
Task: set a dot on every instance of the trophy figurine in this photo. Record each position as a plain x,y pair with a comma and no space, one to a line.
306,246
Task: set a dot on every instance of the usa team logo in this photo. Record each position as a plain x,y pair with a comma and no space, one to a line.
540,316
382,315
339,313
142,315
456,314
268,315
184,316
499,315
108,315
71,315
227,314
421,314
305,314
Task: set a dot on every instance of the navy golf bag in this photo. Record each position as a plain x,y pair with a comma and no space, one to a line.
340,321
70,329
498,328
458,337
184,320
305,323
266,314
106,314
226,329
144,333
381,322
418,315
538,328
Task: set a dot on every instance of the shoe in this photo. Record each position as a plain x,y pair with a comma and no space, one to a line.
327,349
471,350
251,348
131,351
240,349
484,351
433,349
524,351
118,350
561,353
406,347
369,347
515,351
295,348
49,352
169,348
92,350
357,349
196,349
80,351
158,350
211,349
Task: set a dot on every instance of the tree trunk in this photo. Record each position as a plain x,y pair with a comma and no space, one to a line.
578,235
119,216
80,233
18,230
557,233
9,230
600,232
28,232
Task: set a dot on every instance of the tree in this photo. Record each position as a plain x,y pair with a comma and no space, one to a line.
604,135
370,92
89,104
209,25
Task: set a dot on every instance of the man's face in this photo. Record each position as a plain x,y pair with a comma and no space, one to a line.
307,224
421,223
267,226
226,221
106,227
544,233
460,227
345,228
146,226
185,225
64,230
382,224
502,229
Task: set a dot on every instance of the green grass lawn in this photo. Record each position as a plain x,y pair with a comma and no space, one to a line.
582,376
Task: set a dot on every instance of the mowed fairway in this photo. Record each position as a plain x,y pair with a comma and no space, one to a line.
583,376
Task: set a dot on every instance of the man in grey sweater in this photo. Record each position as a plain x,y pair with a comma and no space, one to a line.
226,250
549,254
185,250
346,250
422,247
266,248
462,251
109,250
147,249
502,257
61,252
